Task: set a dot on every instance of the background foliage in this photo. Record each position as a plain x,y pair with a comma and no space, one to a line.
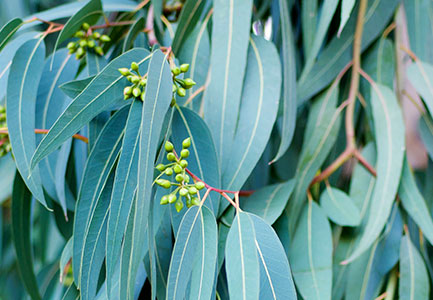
310,125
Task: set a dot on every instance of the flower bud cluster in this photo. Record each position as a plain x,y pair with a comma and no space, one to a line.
181,85
138,87
87,40
5,146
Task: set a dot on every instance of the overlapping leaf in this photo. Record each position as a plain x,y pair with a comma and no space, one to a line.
8,30
339,207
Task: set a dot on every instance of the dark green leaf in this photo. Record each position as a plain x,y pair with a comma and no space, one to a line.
8,30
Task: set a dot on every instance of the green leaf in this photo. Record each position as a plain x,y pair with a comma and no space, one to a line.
420,75
124,189
269,201
275,276
73,88
189,16
288,98
136,28
98,167
339,207
25,73
7,169
425,126
414,203
8,30
104,91
389,133
65,258
242,264
203,160
156,103
346,10
309,24
71,293
310,254
21,235
414,280
95,63
231,23
257,112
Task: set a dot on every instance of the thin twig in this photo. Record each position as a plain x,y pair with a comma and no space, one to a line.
195,94
5,130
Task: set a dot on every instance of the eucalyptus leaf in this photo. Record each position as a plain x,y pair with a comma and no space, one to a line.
8,30
339,207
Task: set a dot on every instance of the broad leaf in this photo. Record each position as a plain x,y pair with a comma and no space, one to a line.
339,207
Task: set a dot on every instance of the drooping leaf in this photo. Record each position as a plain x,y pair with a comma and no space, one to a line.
230,32
346,10
8,30
104,91
420,76
339,207
269,202
425,127
25,73
136,28
73,88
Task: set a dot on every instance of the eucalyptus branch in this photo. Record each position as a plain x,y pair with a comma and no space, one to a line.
5,130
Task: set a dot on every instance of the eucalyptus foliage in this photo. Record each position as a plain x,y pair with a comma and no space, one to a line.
199,149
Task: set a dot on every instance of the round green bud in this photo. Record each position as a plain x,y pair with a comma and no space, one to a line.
188,202
184,153
79,53
173,102
160,182
99,50
105,38
183,163
85,26
124,71
126,97
200,185
79,34
175,71
136,91
181,92
129,77
184,68
2,109
71,45
8,147
164,200
186,178
171,156
143,82
186,143
96,35
127,91
168,146
169,171
135,79
179,177
174,88
91,44
163,183
177,169
178,205
172,198
183,192
195,201
143,95
83,43
192,190
188,83
134,66
160,167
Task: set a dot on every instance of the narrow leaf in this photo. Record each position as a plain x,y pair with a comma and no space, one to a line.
339,207
8,30
420,75
73,88
346,10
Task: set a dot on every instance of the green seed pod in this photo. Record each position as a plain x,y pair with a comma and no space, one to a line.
85,26
172,198
183,163
80,53
179,177
184,153
8,147
83,43
105,38
79,34
143,95
96,35
186,143
99,50
164,200
195,201
160,167
129,78
173,102
169,171
186,178
71,45
124,71
200,185
160,182
136,92
143,82
91,44
2,109
178,205
135,79
167,184
175,71
188,83
134,66
192,190
183,192
188,202
184,68
181,92
171,156
168,146
126,97
174,88
178,169
127,91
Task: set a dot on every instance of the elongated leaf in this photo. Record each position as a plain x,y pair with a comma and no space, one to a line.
269,202
65,258
425,127
26,71
414,282
21,235
389,132
309,23
189,16
8,30
257,113
104,91
73,88
420,76
346,10
242,264
98,168
136,28
156,103
275,276
125,184
203,160
310,254
230,32
71,293
339,207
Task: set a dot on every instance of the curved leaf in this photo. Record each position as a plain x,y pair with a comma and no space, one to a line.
339,207
346,10
420,75
73,88
136,28
8,30
7,169
425,127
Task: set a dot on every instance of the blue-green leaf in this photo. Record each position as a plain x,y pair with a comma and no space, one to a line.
346,10
7,169
420,75
425,126
136,28
389,132
309,24
73,88
25,73
414,281
242,264
310,254
21,235
104,91
269,202
65,258
8,30
230,32
339,207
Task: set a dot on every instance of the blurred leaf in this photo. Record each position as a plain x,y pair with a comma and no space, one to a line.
257,114
269,202
25,73
136,28
8,30
21,235
414,282
310,254
346,10
65,258
425,126
7,169
71,293
420,75
309,24
339,207
104,91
